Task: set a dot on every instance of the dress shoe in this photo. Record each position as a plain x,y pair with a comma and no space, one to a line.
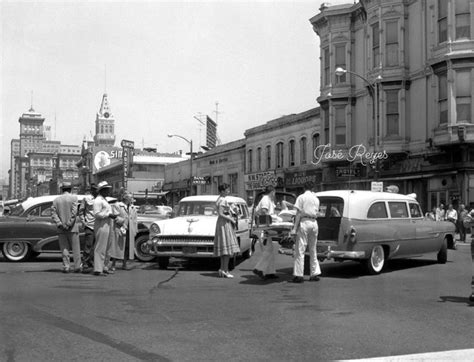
314,278
227,274
270,276
66,270
99,274
258,273
297,280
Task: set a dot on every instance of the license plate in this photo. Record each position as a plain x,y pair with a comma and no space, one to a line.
189,250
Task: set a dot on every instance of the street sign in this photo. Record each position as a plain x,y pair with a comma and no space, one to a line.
376,186
127,144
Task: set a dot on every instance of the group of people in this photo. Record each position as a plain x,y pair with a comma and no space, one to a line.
462,218
305,231
110,226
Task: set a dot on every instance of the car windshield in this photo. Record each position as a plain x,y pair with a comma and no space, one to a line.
16,210
207,208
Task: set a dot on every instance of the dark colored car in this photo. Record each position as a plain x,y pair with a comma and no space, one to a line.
29,230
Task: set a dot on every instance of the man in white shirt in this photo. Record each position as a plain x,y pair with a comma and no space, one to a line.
306,231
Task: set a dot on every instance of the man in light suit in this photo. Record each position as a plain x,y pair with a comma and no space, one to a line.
64,212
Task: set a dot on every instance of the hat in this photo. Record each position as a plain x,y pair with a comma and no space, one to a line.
103,185
111,200
392,188
66,185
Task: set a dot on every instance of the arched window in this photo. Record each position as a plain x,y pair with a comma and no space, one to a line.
259,159
291,152
279,155
303,150
269,157
249,161
315,145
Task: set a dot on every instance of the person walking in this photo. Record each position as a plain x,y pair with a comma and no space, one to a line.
462,214
86,215
102,226
225,239
265,267
64,213
306,231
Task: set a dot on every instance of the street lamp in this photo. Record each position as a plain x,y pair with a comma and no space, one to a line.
374,88
190,143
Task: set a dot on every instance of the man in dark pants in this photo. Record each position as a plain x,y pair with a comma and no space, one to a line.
86,214
64,213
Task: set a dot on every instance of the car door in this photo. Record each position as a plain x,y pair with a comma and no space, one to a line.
39,225
243,226
402,229
428,238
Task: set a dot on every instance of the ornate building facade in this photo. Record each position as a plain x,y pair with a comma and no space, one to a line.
397,77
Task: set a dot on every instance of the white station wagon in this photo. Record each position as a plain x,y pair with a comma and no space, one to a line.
190,234
373,227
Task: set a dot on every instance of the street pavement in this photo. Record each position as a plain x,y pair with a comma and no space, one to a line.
415,310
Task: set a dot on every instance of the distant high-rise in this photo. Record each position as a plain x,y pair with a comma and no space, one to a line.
104,125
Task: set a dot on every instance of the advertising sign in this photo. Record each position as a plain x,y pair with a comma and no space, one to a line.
376,186
104,156
298,179
258,180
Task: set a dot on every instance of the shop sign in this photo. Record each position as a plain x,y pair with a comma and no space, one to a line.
198,180
347,172
104,156
376,186
357,153
301,177
259,180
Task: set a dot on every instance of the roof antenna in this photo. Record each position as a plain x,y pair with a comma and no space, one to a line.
105,78
31,107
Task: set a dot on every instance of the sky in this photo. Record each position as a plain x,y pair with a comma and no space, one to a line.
162,64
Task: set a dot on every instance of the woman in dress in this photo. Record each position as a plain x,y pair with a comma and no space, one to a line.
225,240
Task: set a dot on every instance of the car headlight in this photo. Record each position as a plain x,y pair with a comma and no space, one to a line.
154,229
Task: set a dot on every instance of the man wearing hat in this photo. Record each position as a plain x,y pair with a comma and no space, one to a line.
102,226
64,213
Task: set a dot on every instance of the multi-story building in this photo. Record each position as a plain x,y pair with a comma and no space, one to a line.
397,78
280,152
38,164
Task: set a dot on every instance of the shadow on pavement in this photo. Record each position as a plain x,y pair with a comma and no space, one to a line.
455,299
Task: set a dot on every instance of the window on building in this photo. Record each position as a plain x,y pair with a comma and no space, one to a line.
341,61
249,161
393,117
291,152
327,68
269,157
315,145
233,177
376,45
303,150
443,98
463,19
326,126
340,129
279,155
442,21
391,44
463,96
259,159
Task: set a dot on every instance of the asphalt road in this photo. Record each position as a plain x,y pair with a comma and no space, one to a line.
187,313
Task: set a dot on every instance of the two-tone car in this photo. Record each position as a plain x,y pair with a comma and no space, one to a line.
29,230
373,227
190,234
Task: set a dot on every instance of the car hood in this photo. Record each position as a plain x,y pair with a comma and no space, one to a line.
188,225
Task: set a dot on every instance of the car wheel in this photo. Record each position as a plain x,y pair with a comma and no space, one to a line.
16,251
376,261
141,249
443,252
163,262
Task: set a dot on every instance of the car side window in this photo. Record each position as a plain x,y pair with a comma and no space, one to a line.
46,210
415,210
377,211
35,211
398,210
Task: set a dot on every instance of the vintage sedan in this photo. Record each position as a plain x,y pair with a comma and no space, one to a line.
190,234
29,230
373,227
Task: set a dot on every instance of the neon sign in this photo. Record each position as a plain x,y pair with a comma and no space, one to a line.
355,153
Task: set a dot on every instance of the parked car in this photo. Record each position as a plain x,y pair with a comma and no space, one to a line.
373,227
29,230
190,234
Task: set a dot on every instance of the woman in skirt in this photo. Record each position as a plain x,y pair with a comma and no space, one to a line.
225,240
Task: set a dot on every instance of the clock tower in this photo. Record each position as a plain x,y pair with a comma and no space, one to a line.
104,125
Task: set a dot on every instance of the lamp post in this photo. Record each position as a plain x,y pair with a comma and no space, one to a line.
190,143
375,116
